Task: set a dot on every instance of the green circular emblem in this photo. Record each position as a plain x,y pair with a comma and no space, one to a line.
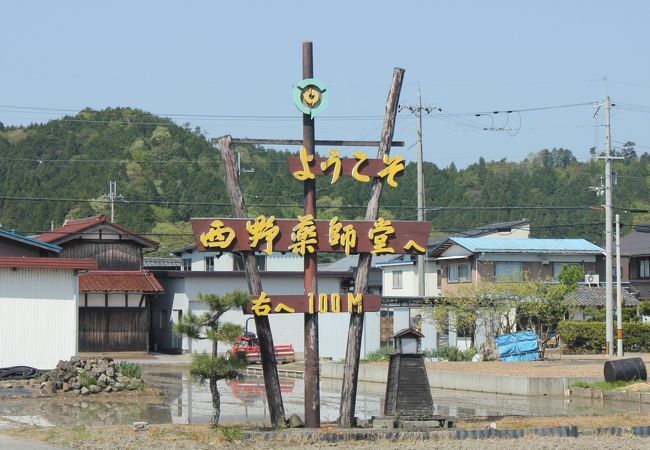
310,96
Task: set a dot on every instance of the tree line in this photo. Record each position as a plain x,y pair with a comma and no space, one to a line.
168,173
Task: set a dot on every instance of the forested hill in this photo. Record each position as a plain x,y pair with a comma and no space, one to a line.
169,173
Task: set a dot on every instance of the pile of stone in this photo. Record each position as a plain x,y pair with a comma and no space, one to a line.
87,376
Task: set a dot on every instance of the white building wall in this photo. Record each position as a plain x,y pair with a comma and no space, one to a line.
410,280
38,317
223,262
286,328
115,300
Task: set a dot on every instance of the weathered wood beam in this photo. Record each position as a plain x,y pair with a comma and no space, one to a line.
262,325
317,142
355,331
312,364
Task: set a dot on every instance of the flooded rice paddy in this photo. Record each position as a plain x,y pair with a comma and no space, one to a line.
184,401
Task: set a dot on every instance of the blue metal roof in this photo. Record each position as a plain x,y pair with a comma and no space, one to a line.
476,245
30,241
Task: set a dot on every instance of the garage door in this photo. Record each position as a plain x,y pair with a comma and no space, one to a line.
113,329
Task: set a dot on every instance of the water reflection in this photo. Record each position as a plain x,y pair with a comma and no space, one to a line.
246,400
187,402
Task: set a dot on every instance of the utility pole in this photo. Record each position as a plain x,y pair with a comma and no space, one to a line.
417,110
609,307
609,316
239,169
112,196
619,300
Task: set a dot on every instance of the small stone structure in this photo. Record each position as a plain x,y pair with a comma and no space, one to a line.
87,376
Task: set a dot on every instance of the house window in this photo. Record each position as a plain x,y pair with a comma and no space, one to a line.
459,273
187,264
397,279
238,262
508,271
209,263
644,268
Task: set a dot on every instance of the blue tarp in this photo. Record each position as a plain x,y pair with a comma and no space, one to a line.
521,346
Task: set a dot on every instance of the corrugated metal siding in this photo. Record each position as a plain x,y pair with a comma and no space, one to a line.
38,317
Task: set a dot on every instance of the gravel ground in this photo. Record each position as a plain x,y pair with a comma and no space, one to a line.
528,443
193,437
592,442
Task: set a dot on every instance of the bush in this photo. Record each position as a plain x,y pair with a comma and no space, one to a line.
644,308
381,354
589,337
128,369
452,353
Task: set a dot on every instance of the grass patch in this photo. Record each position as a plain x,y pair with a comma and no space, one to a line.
603,385
231,434
129,369
86,381
80,433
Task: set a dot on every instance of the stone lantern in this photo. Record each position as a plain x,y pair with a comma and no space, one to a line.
408,394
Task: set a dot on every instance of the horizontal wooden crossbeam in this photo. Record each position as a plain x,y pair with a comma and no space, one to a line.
327,143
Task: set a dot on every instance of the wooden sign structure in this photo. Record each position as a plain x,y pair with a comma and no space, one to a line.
268,234
306,235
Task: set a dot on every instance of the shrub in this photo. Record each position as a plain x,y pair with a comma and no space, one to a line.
589,337
644,308
129,369
452,353
381,354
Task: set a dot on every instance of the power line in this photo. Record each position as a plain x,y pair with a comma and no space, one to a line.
41,110
298,205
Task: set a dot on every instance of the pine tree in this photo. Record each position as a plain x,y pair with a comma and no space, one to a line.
212,367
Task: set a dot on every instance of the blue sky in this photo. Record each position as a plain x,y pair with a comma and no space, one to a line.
242,59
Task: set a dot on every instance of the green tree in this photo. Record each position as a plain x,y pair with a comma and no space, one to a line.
548,303
213,367
487,306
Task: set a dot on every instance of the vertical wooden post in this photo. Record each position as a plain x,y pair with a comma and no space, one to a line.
262,325
355,332
312,376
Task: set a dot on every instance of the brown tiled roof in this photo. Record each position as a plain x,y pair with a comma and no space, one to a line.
406,332
637,243
641,289
119,281
49,263
595,296
73,226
